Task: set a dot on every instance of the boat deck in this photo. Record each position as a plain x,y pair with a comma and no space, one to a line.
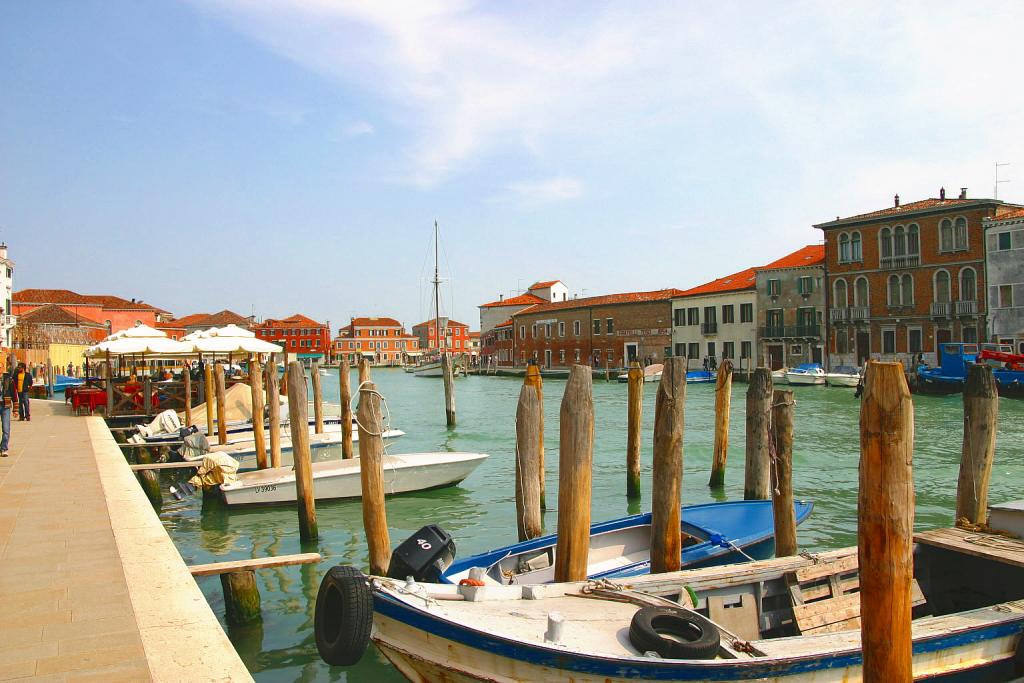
92,588
989,546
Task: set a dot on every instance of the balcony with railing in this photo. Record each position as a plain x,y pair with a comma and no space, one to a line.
839,315
791,332
859,313
966,307
941,309
897,262
709,328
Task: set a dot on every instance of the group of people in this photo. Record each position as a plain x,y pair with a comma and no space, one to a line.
14,386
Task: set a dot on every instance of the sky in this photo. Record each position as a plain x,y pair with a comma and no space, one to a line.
292,156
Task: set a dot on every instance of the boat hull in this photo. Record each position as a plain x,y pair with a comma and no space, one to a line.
321,446
842,380
804,379
340,479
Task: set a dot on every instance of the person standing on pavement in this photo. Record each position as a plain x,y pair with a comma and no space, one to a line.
22,384
6,404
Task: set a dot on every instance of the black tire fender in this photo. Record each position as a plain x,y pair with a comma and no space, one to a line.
343,616
688,635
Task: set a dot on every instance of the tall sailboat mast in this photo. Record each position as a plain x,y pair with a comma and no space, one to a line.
441,339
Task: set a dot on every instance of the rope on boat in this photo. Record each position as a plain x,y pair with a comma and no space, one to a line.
385,418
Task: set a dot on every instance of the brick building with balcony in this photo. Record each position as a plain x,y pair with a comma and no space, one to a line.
904,279
791,309
456,335
383,341
302,338
717,320
601,331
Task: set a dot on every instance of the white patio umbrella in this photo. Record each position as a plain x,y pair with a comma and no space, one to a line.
140,339
232,339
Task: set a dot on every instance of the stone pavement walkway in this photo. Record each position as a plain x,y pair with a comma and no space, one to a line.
91,588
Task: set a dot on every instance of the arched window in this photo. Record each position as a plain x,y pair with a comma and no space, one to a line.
968,285
839,293
885,243
960,233
855,253
946,235
844,248
899,241
908,289
941,286
860,292
894,290
913,241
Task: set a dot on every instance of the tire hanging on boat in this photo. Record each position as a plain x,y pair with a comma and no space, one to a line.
674,633
343,616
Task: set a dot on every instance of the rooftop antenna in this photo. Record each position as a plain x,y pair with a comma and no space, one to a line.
995,187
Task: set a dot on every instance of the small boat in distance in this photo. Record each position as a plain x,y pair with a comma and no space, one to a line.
779,376
713,533
652,373
843,376
806,373
701,377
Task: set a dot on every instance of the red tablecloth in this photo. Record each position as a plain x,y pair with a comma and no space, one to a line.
88,398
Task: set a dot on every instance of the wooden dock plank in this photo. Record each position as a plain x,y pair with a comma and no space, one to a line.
255,563
989,546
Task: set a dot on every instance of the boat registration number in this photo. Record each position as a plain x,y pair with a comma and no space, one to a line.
267,488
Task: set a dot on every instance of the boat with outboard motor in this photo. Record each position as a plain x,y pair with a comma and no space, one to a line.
713,533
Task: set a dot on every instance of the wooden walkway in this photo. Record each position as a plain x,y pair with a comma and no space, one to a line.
91,587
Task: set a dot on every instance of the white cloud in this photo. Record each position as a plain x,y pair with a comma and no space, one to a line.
551,190
357,128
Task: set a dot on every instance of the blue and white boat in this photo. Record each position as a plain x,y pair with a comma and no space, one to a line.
806,373
955,358
701,377
713,533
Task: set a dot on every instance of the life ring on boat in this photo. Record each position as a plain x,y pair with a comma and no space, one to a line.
343,616
674,633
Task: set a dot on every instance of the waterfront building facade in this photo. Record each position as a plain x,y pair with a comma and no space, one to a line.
905,279
496,345
7,318
496,312
383,341
1004,264
112,311
717,320
601,331
304,337
790,309
456,335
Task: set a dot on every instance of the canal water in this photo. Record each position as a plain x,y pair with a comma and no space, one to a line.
480,513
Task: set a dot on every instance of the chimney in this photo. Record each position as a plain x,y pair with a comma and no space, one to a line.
963,193
896,199
942,193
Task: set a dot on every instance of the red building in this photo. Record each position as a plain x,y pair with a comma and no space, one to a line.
456,335
383,341
113,312
496,346
306,338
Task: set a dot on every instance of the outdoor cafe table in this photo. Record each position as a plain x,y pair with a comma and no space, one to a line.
88,397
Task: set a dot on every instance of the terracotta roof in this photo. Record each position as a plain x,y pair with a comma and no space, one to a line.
543,285
52,314
296,320
521,300
745,279
1007,216
811,255
931,205
451,323
474,334
507,323
66,297
367,322
169,326
606,300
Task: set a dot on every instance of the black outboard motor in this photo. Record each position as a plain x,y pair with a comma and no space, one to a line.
424,555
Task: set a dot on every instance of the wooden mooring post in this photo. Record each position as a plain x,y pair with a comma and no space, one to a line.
666,537
723,404
885,523
575,465
981,412
783,408
148,479
529,454
449,389
298,415
634,412
534,379
222,408
186,377
256,385
318,399
371,477
757,478
273,412
346,408
364,370
209,391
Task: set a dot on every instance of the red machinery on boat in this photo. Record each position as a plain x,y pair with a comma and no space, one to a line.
1011,361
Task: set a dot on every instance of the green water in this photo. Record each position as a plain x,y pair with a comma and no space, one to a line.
480,513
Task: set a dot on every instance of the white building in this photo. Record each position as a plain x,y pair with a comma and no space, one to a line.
494,313
7,320
717,320
1004,265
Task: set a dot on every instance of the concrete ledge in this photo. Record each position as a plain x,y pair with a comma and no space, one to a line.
181,637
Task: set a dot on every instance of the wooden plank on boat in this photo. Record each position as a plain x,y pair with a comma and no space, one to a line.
165,466
255,563
834,614
989,546
818,571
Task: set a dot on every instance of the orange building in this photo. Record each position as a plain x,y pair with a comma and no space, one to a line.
113,312
456,335
383,341
304,337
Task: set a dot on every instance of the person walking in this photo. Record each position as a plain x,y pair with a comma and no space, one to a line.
22,384
6,405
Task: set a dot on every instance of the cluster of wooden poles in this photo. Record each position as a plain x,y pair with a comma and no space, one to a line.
885,500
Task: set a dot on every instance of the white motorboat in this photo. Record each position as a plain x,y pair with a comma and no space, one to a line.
843,376
652,373
779,376
806,373
336,479
323,447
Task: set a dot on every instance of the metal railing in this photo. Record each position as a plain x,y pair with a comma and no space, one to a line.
791,331
966,307
908,261
941,309
839,315
858,313
709,328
